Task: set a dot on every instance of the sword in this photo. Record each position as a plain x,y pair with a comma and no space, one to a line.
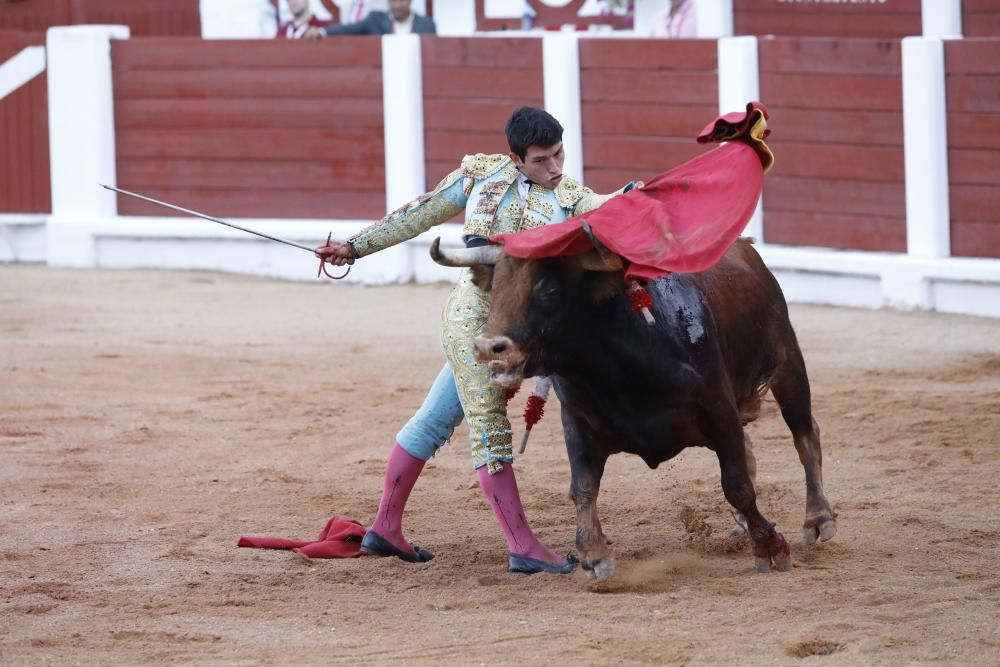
312,251
208,217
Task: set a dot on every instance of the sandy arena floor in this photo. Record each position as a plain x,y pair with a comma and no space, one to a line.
147,419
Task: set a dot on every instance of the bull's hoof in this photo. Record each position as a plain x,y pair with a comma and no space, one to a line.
601,570
773,555
823,528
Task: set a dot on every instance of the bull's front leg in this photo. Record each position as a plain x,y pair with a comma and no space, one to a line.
586,469
768,545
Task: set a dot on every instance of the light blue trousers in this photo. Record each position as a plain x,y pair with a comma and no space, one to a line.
436,419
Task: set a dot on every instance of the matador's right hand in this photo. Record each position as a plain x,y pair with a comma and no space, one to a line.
336,253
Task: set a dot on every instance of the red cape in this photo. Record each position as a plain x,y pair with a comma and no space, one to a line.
683,220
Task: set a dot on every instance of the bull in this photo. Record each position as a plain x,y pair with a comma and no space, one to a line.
721,340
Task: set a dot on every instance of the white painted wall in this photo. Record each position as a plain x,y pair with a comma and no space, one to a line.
237,19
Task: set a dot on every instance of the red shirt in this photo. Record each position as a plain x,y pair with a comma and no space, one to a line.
291,31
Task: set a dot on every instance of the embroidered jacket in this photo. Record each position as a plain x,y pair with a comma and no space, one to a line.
485,187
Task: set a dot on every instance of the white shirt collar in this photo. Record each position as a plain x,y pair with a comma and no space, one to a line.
404,27
522,185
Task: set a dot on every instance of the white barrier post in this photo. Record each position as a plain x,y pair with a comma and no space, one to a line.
925,146
739,83
81,134
561,76
941,18
403,106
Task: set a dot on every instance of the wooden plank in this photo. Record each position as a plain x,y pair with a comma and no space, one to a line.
474,115
973,130
827,25
280,175
261,144
973,93
245,203
975,239
859,163
490,83
971,166
316,113
847,232
35,15
149,17
832,91
24,163
981,24
790,55
975,203
862,8
873,128
178,53
647,120
248,83
480,52
639,154
643,54
40,144
608,180
667,86
827,195
972,56
451,146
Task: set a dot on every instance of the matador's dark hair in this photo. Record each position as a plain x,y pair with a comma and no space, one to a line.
532,127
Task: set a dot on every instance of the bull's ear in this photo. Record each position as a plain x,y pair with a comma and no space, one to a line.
482,276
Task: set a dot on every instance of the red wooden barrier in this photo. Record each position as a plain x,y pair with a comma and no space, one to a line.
836,110
254,128
144,17
981,18
972,70
471,86
643,104
24,136
889,19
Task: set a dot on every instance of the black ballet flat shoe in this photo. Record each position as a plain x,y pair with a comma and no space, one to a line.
374,544
526,565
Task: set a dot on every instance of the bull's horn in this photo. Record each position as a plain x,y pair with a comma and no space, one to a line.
487,254
592,261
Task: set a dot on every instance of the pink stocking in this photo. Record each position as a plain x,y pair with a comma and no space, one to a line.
500,490
401,473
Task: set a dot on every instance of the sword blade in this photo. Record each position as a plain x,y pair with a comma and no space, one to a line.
208,217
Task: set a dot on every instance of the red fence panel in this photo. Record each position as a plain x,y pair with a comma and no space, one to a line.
643,104
888,19
836,111
24,136
255,128
144,17
972,76
471,86
981,18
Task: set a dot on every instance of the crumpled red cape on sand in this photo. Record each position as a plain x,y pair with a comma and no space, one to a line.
683,220
340,538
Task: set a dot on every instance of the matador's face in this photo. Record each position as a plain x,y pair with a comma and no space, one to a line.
542,165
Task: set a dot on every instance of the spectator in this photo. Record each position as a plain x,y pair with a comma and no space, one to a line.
302,21
678,19
399,20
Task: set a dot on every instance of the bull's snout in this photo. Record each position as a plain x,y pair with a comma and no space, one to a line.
491,348
505,361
